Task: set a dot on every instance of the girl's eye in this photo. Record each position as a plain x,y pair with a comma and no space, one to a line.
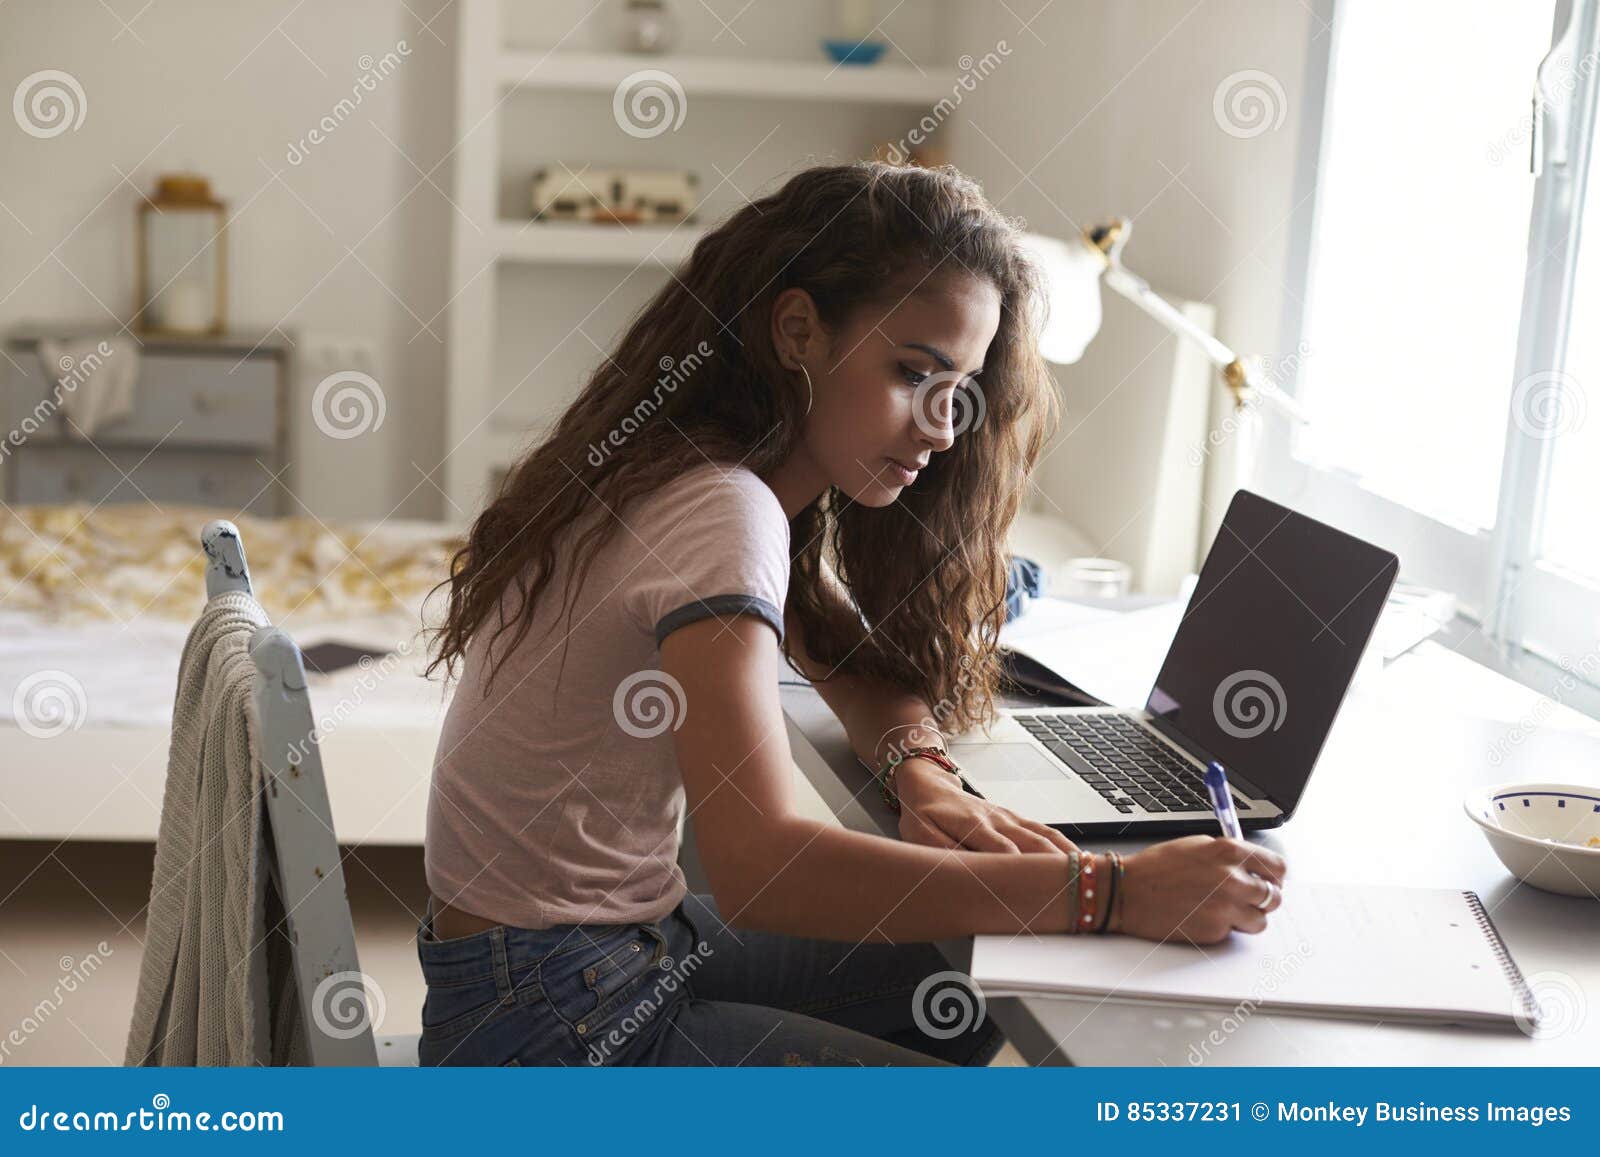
911,375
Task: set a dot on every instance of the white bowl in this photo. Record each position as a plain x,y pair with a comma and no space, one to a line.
1547,834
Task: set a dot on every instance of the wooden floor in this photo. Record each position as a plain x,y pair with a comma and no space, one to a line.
73,914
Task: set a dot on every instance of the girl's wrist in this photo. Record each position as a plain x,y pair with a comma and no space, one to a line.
917,775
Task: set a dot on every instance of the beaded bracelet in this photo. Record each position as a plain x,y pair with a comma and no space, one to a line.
1088,894
885,774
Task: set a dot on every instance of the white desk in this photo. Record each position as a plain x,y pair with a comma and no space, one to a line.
1384,805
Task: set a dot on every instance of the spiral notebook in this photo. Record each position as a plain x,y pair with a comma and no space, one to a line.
1364,951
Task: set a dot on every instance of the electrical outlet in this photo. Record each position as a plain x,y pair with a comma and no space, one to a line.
329,353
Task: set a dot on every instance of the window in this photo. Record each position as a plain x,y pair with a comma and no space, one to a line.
1444,367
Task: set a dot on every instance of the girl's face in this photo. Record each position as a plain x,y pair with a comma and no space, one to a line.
890,389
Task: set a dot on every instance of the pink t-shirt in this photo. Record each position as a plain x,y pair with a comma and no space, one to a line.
563,804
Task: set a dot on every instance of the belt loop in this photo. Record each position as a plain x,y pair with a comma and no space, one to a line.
502,969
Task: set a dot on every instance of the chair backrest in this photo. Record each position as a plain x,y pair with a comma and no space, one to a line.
304,851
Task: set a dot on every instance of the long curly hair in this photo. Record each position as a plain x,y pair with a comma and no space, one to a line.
927,573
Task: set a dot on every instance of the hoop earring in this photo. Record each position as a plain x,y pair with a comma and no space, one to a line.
807,373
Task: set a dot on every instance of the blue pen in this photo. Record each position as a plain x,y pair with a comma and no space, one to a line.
1222,800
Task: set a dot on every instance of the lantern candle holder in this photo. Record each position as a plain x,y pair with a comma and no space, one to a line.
182,266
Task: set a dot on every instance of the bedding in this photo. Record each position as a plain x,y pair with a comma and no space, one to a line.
95,604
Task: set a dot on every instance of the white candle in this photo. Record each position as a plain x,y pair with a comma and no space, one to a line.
855,19
185,307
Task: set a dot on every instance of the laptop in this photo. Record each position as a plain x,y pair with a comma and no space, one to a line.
1269,643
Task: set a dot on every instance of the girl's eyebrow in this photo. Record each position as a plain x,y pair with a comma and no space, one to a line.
939,356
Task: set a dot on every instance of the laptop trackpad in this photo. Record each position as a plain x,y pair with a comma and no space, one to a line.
1006,762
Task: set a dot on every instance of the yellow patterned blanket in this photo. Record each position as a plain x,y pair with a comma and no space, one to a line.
120,562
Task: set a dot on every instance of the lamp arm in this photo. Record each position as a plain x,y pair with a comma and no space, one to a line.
1240,377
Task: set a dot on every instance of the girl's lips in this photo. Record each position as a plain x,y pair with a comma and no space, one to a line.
905,477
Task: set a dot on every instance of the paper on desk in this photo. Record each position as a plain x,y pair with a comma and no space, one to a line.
1330,949
1112,655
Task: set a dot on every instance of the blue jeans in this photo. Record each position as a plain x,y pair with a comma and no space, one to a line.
689,990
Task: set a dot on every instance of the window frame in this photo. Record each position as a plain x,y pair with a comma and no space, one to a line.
1519,599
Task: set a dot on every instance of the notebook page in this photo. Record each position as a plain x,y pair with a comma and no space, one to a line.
1331,947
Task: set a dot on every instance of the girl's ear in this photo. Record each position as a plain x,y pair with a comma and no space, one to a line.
797,330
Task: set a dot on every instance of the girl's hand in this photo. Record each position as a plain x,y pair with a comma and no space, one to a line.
936,810
1198,889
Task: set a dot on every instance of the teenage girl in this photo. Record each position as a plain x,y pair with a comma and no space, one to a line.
806,450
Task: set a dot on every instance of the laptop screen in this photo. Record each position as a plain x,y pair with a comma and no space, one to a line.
1269,642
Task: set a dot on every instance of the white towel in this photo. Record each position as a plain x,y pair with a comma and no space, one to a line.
96,378
216,983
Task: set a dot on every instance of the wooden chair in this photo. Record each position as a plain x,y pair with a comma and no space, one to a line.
304,852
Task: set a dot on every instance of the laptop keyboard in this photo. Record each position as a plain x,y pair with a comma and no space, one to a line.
1123,762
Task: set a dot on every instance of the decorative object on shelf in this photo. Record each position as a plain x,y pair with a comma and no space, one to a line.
614,196
926,155
856,25
857,52
1090,578
182,262
649,27
1074,270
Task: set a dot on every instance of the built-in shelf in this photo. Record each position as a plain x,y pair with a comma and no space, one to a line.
577,243
572,93
730,76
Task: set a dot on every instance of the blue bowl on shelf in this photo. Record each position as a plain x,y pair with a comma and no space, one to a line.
854,51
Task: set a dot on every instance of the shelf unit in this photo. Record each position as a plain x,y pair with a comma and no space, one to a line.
565,243
728,76
491,248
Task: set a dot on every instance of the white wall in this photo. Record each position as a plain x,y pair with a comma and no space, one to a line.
1100,109
1106,110
223,88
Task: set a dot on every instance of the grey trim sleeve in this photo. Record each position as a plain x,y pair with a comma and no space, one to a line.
719,605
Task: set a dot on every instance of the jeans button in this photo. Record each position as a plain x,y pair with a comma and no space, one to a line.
635,946
582,1028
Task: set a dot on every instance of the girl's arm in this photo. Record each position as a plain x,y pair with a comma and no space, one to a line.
773,869
935,809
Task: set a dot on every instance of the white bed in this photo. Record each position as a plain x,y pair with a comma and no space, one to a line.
94,609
